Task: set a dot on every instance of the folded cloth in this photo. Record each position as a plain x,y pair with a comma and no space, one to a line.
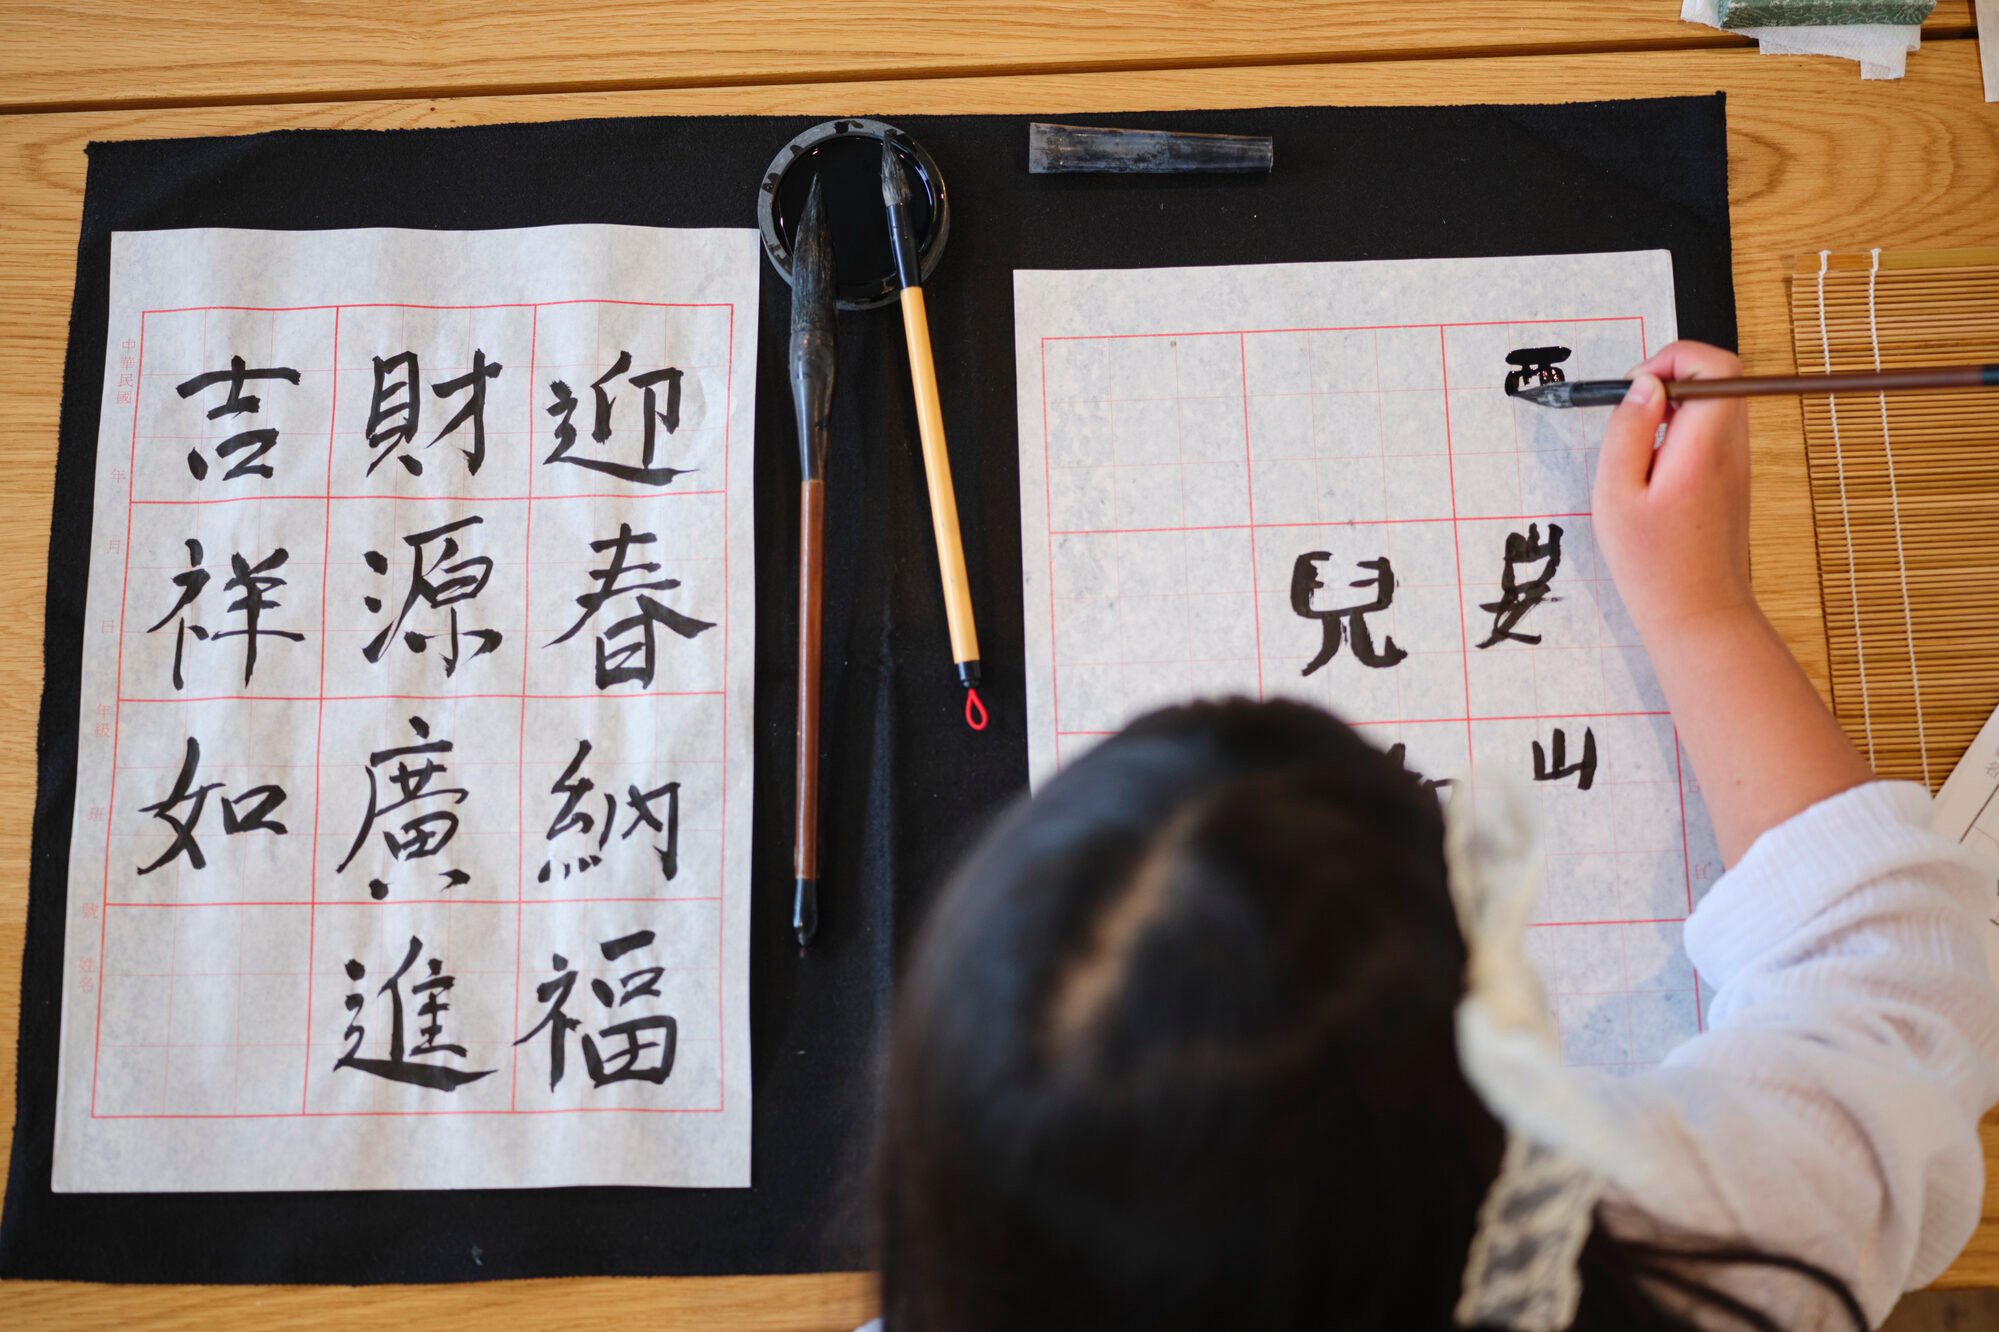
1821,13
1883,51
1881,48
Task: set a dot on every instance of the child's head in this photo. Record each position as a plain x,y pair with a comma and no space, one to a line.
1177,1044
1177,1049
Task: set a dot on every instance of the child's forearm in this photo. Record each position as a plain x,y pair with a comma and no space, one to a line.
1761,743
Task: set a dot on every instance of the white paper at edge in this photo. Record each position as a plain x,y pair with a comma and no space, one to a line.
1988,46
706,1144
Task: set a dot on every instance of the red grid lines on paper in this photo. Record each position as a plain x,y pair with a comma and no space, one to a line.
1089,518
251,912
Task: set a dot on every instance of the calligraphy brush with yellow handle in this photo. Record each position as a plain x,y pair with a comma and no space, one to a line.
930,426
812,367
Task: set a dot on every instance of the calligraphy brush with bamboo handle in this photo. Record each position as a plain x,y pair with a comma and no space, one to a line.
930,427
1610,392
812,366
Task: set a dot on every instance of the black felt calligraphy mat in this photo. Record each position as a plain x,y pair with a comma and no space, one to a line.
908,785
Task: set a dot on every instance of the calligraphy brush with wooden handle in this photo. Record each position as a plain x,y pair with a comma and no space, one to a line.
1610,392
812,366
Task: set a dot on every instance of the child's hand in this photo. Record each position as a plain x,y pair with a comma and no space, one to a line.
1673,523
1673,526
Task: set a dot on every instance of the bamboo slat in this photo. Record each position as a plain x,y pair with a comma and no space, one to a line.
1905,500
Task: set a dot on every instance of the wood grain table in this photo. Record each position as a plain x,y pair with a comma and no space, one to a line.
1817,159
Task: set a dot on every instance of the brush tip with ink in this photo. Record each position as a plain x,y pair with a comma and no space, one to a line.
805,910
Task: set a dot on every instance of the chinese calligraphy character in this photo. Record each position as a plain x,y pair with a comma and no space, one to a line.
397,407
400,1065
424,832
563,409
254,581
1584,769
1349,622
440,582
1537,365
237,403
624,1063
615,664
1516,598
261,802
574,789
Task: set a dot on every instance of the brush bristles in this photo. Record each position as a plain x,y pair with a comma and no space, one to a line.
895,185
811,255
1547,395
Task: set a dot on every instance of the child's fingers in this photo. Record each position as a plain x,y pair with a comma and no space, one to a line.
1699,441
1691,360
1700,430
1626,460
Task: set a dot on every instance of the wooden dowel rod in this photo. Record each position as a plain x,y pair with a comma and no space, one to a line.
811,586
1749,386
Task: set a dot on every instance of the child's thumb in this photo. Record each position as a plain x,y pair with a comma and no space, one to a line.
1630,434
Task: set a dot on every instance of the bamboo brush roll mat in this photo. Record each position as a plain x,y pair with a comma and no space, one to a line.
1905,500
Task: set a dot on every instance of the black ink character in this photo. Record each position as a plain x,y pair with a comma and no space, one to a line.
1398,754
238,403
615,665
473,385
424,832
255,582
247,811
1584,769
575,788
563,409
440,580
190,581
1534,365
401,1065
393,411
1350,621
624,1063
1516,598
397,406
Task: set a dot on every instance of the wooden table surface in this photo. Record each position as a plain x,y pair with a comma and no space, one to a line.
1817,159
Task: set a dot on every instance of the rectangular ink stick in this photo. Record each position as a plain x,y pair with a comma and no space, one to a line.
1063,149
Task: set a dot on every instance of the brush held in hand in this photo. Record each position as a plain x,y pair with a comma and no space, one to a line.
1610,392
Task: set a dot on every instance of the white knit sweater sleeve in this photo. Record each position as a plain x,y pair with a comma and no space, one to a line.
1830,1110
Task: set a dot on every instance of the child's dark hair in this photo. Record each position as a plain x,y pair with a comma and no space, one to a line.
1176,1050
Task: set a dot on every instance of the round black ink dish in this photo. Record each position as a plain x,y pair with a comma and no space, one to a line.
845,156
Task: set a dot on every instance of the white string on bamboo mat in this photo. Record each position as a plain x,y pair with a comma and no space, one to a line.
1895,508
1846,521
